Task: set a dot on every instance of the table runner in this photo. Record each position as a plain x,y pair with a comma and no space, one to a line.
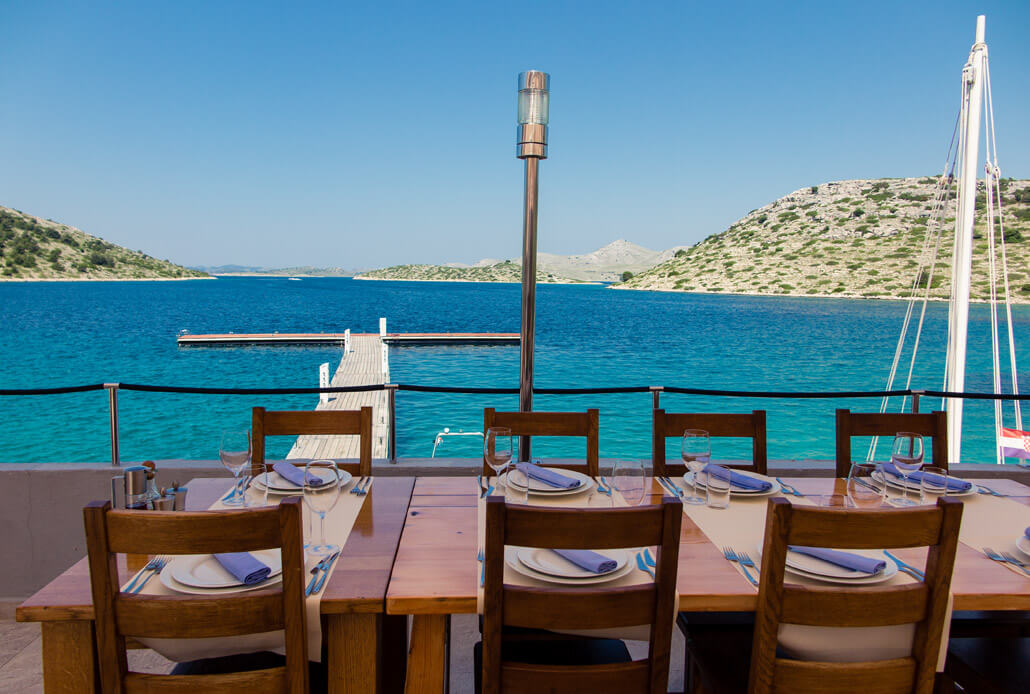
742,527
995,522
589,499
338,525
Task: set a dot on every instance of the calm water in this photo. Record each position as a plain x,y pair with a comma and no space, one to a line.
72,333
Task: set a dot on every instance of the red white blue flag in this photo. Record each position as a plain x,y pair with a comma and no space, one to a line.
1015,443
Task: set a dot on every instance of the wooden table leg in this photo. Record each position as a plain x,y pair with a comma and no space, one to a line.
69,658
427,654
352,644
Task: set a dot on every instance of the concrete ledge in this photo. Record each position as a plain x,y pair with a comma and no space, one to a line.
41,503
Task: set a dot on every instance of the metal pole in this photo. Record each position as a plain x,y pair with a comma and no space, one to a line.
915,401
112,403
528,296
391,399
531,145
655,397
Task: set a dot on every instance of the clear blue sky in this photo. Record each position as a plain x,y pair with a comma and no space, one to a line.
368,134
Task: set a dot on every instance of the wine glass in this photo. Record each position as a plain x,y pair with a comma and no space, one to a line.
907,456
321,492
497,450
696,451
629,479
866,485
234,452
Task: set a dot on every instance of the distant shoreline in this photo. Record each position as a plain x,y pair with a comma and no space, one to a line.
468,281
104,279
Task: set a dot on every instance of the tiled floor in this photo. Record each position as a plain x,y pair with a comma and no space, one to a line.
21,668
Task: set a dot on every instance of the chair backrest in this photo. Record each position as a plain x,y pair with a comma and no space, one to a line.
583,424
120,615
931,424
666,425
313,422
579,608
923,604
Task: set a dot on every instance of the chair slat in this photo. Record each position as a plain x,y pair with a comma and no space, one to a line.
161,532
831,607
866,529
896,676
180,617
600,609
271,680
623,677
563,527
665,425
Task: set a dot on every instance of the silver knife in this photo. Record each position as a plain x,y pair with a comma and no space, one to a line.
325,571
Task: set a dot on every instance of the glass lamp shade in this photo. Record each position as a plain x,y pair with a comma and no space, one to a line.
533,106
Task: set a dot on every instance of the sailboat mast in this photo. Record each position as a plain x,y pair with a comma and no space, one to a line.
962,258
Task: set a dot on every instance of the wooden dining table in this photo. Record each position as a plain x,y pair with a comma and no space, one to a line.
436,574
364,646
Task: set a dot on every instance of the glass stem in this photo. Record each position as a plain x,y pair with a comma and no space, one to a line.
321,529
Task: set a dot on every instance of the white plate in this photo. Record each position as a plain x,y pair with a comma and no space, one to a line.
204,571
169,582
689,478
538,487
511,558
1023,545
894,483
546,561
818,570
277,483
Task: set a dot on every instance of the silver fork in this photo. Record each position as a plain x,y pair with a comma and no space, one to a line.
732,556
364,488
999,557
1012,559
150,566
987,490
155,567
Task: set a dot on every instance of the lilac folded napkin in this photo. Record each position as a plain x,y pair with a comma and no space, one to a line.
736,479
295,475
845,560
954,483
244,567
588,560
1027,532
548,476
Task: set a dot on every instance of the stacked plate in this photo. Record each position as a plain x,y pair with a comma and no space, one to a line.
201,574
544,489
901,484
737,491
819,570
1023,545
277,484
546,565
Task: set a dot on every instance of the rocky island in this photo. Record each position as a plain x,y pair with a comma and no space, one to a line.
857,238
32,248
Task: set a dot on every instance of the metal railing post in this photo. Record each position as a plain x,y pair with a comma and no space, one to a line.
655,397
391,441
915,400
112,402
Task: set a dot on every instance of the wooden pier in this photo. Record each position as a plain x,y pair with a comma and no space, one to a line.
362,366
238,339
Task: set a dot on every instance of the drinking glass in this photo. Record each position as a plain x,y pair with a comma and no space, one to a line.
717,491
321,497
696,451
629,480
497,450
933,484
866,486
234,452
907,456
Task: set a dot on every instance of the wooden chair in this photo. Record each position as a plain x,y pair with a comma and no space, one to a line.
931,424
544,666
923,604
120,616
583,424
666,425
325,422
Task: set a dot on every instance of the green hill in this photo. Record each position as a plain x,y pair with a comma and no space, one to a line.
34,248
859,238
506,271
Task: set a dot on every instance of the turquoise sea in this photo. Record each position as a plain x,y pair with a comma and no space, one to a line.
71,333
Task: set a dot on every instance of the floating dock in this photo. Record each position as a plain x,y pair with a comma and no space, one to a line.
238,339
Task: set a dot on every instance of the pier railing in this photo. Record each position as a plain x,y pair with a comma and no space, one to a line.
392,388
